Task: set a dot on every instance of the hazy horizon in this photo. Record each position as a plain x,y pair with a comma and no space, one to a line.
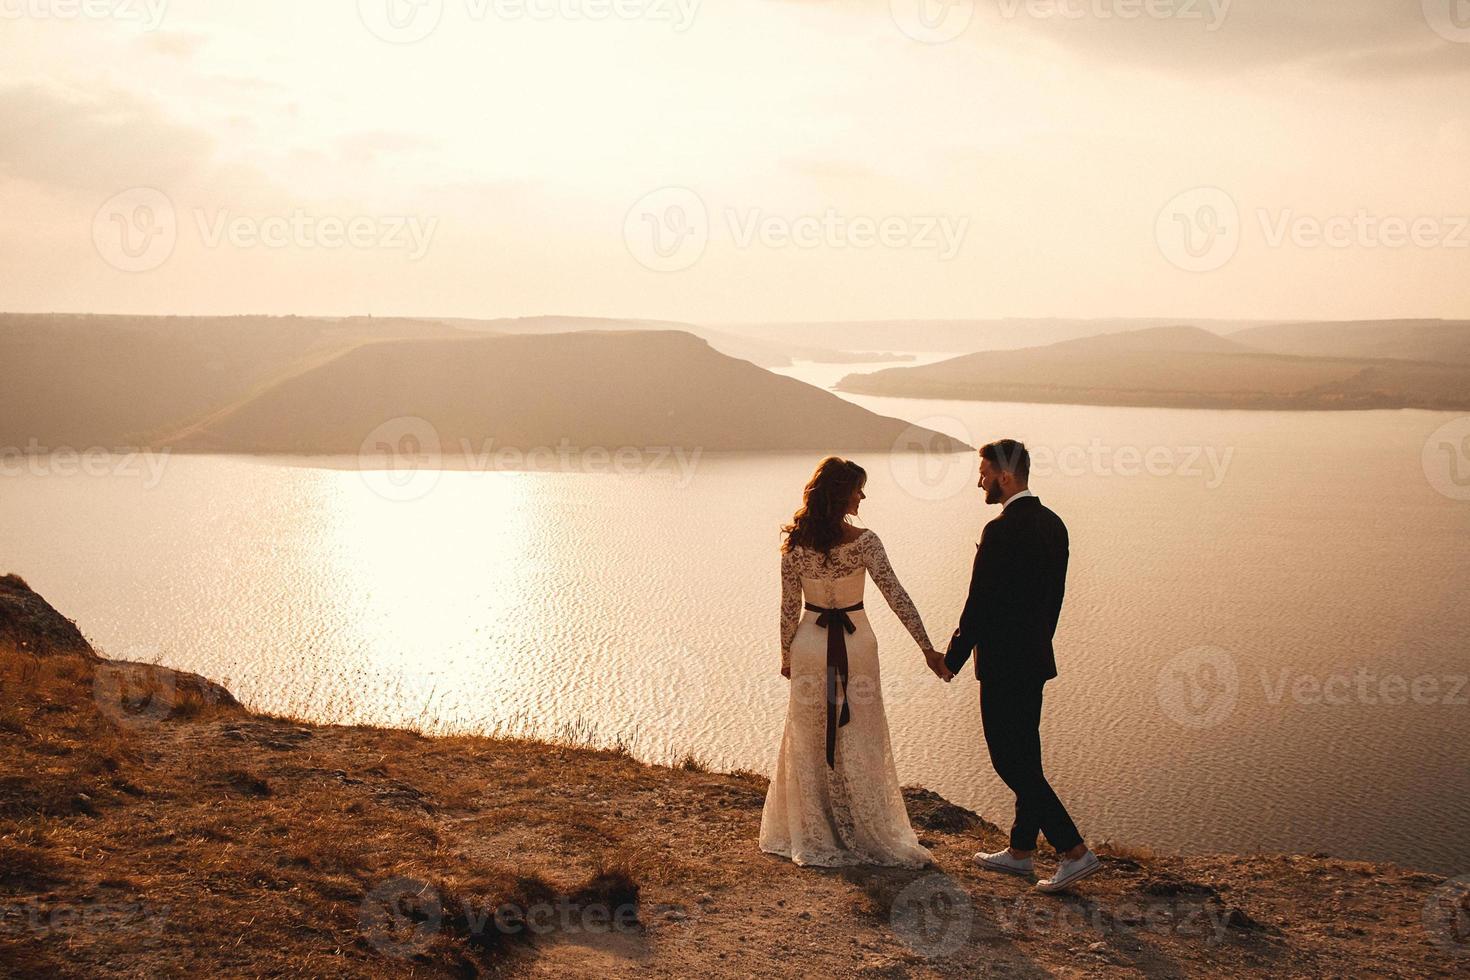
727,324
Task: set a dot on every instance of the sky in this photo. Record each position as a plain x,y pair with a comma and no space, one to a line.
737,160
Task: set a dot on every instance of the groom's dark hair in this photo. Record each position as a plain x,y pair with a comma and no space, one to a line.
1009,455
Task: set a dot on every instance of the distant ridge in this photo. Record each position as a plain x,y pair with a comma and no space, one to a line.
1179,339
201,383
1176,367
98,380
771,351
966,336
1411,340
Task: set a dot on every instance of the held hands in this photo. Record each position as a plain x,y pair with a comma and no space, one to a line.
935,660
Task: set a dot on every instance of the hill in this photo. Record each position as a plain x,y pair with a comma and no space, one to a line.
209,383
1447,341
959,336
1175,367
772,351
84,381
612,389
151,826
1176,339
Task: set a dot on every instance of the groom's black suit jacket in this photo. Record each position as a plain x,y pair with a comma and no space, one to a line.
1015,597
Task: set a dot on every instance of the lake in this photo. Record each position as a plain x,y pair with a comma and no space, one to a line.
1263,644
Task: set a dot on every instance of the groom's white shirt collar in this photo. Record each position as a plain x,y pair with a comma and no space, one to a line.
1016,496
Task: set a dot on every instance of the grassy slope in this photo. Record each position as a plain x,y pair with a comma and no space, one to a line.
150,827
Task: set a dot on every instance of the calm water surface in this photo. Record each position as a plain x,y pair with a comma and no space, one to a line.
1263,646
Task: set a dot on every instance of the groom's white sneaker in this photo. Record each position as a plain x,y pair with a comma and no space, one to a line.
1004,861
1069,872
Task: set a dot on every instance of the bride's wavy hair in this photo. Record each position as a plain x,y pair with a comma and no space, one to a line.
818,524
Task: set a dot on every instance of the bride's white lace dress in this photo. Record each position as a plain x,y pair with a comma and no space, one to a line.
851,812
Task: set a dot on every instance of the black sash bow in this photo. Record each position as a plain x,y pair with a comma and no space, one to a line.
836,669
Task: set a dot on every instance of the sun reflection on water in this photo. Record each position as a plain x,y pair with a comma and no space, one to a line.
410,570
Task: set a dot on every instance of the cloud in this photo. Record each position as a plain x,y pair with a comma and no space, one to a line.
832,170
369,146
1442,59
1346,37
245,84
98,142
1383,37
176,44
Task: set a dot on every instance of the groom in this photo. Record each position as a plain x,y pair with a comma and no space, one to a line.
1009,619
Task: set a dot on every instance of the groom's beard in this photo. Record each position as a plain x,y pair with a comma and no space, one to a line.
994,494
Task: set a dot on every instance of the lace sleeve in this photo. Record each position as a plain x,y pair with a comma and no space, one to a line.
876,560
790,603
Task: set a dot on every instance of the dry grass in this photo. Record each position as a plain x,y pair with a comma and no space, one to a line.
26,866
1127,852
123,787
28,956
12,719
163,831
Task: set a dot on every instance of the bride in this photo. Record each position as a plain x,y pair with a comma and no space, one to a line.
834,799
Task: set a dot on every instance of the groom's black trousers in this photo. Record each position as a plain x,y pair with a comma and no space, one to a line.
1010,712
